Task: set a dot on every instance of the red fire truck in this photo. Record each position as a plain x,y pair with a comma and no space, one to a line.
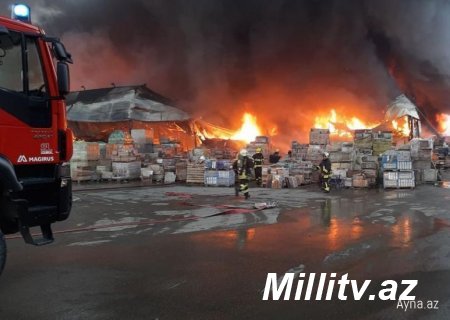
35,143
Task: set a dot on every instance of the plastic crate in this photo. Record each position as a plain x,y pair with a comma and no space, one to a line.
406,175
406,183
390,183
404,165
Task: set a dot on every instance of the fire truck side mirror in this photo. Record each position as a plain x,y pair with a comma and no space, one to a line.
62,71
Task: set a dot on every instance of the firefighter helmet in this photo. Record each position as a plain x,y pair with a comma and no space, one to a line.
243,152
258,149
326,154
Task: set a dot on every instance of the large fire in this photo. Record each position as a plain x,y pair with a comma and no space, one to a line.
341,125
401,126
444,123
249,129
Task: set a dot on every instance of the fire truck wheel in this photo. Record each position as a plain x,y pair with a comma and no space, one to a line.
2,252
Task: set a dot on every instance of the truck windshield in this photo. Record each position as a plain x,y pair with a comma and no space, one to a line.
13,66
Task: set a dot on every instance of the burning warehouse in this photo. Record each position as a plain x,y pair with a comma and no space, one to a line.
94,114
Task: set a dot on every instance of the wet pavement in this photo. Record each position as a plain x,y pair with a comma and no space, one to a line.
178,252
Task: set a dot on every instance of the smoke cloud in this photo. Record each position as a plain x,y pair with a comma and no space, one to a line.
285,60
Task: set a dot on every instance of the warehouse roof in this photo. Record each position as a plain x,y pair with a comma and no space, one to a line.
121,104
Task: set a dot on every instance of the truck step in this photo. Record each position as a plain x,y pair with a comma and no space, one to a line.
47,235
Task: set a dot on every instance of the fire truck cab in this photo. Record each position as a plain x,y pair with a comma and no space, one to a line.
35,143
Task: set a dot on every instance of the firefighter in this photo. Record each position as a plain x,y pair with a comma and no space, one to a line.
242,167
258,160
275,157
325,172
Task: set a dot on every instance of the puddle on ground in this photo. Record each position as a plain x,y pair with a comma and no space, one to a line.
335,234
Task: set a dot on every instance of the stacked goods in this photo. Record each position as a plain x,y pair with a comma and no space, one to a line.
303,169
397,169
429,175
219,173
390,179
146,174
225,178
260,142
195,154
299,151
126,170
211,177
169,164
369,167
144,149
291,182
223,153
170,149
169,177
120,137
83,170
277,177
265,175
84,161
277,181
319,137
143,140
213,164
181,170
195,173
406,179
421,151
363,140
85,151
142,136
158,172
381,145
359,180
315,154
122,153
386,135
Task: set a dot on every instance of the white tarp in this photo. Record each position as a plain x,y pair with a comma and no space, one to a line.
401,107
121,104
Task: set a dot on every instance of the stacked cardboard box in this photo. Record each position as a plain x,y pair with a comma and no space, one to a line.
303,170
299,151
260,142
421,151
126,170
84,161
315,153
319,137
363,140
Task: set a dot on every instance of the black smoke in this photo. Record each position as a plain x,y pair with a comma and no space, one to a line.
286,60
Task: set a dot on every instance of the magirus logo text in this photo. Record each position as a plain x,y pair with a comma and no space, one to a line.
24,159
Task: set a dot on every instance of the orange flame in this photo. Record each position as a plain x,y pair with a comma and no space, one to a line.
444,123
249,129
401,127
340,125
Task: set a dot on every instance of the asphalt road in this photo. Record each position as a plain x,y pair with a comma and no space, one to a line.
181,252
